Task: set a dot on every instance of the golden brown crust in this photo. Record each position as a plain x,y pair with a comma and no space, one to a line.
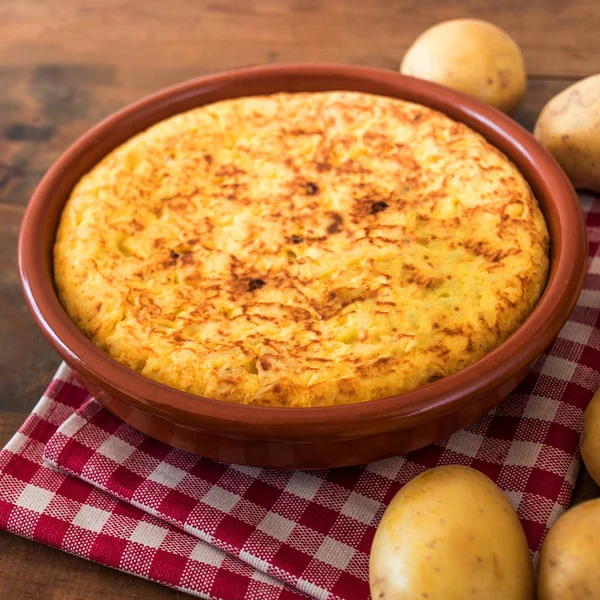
301,249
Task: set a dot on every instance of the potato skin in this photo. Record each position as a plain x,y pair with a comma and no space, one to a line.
450,534
471,56
570,556
590,438
569,127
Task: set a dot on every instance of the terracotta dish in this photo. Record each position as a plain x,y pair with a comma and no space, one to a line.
306,437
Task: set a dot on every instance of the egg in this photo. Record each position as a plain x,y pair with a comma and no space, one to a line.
305,249
450,534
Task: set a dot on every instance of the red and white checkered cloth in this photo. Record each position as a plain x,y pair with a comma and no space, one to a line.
77,478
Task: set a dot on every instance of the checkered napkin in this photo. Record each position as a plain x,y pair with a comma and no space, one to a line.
77,478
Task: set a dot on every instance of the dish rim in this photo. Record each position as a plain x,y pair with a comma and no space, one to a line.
559,202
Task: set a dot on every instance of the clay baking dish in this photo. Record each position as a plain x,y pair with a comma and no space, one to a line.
306,437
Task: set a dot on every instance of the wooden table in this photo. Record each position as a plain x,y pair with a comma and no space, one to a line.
65,65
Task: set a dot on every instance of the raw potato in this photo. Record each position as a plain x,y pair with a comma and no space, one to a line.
472,56
590,439
450,534
569,567
569,127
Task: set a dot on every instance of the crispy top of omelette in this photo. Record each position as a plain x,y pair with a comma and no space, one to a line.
301,249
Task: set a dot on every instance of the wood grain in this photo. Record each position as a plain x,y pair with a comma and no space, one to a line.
32,571
558,37
585,488
66,65
26,360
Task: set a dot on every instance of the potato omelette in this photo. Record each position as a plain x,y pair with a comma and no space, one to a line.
303,249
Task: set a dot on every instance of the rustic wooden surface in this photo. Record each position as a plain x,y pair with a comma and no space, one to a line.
65,65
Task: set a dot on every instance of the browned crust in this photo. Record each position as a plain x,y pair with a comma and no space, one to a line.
301,250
